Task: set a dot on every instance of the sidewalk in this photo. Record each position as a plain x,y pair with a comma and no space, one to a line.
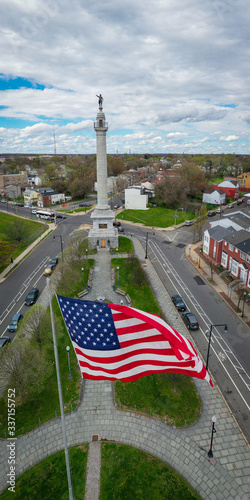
224,477
219,285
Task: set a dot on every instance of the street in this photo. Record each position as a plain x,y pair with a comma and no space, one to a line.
229,352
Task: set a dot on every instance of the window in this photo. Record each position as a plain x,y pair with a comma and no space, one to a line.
242,255
214,252
248,258
224,259
235,267
231,247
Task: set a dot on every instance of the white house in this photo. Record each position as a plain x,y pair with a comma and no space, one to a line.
135,198
213,196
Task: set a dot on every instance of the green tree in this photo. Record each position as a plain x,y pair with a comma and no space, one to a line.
17,230
5,250
194,178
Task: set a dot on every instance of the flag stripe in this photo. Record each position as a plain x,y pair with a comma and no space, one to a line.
114,342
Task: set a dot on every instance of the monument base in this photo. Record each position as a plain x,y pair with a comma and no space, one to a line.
103,234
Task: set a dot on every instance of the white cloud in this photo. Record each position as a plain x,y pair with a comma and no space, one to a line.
162,71
229,138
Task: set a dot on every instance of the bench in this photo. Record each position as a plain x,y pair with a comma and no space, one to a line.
120,291
128,299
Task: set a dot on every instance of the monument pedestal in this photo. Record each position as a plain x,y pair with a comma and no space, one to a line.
103,234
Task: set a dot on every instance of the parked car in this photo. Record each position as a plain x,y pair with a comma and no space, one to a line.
20,204
85,204
188,222
116,223
4,341
219,211
179,303
230,206
52,264
14,323
120,229
211,213
116,206
61,216
32,297
34,211
190,320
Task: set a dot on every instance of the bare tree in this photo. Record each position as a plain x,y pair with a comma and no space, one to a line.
37,326
24,367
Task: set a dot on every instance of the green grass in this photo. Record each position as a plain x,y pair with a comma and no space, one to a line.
142,297
169,396
72,283
44,404
131,474
125,245
155,217
34,230
48,479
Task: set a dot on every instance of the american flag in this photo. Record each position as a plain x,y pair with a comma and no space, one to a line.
115,342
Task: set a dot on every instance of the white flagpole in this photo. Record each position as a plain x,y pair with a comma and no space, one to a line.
60,394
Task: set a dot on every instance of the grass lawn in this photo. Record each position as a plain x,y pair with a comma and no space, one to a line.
131,474
44,404
48,479
33,231
170,396
155,217
125,245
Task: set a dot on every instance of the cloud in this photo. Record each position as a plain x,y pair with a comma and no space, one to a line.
229,138
162,71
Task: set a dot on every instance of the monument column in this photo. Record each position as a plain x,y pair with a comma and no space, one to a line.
101,128
103,235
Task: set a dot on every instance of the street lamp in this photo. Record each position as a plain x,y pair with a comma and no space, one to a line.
83,278
210,452
146,255
209,334
244,299
117,256
60,236
87,262
68,349
118,275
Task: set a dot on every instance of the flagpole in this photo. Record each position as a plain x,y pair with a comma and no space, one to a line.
60,394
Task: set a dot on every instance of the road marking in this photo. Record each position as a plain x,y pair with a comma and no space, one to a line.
23,289
155,249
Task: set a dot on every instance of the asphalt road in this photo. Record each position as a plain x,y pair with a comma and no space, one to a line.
230,351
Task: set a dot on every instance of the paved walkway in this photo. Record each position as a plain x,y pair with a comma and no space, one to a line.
225,477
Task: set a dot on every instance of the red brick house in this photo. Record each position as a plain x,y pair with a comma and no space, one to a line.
236,255
213,242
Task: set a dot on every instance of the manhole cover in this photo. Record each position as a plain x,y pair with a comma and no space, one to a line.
181,245
199,281
95,437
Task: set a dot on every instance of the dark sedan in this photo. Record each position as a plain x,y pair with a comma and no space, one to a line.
4,341
32,297
190,321
179,303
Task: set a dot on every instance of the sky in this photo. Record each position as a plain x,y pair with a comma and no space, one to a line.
175,76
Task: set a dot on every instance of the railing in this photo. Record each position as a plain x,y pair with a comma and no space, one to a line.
101,124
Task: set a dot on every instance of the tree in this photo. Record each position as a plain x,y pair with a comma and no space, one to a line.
24,367
194,178
5,250
171,192
201,217
37,326
17,230
115,165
